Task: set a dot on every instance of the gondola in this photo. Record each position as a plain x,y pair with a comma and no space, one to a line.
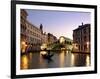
47,55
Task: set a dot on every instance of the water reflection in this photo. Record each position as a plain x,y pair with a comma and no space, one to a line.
72,59
24,62
30,55
34,60
87,60
62,59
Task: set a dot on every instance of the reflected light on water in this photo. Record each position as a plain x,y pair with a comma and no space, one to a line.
24,62
41,60
62,59
30,55
35,60
72,59
67,52
87,60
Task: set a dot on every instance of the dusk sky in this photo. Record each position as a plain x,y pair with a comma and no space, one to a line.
59,23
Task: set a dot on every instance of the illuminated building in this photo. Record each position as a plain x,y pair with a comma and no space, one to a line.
81,38
32,36
66,43
51,38
23,30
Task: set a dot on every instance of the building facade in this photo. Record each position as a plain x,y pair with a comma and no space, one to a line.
31,35
23,27
51,38
81,38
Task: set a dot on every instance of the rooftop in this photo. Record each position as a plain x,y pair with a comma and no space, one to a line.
81,26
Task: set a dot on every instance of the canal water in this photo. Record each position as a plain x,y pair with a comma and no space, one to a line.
61,59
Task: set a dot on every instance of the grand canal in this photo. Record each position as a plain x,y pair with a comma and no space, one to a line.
34,60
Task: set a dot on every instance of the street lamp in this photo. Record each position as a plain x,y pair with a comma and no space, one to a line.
87,43
24,45
75,47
